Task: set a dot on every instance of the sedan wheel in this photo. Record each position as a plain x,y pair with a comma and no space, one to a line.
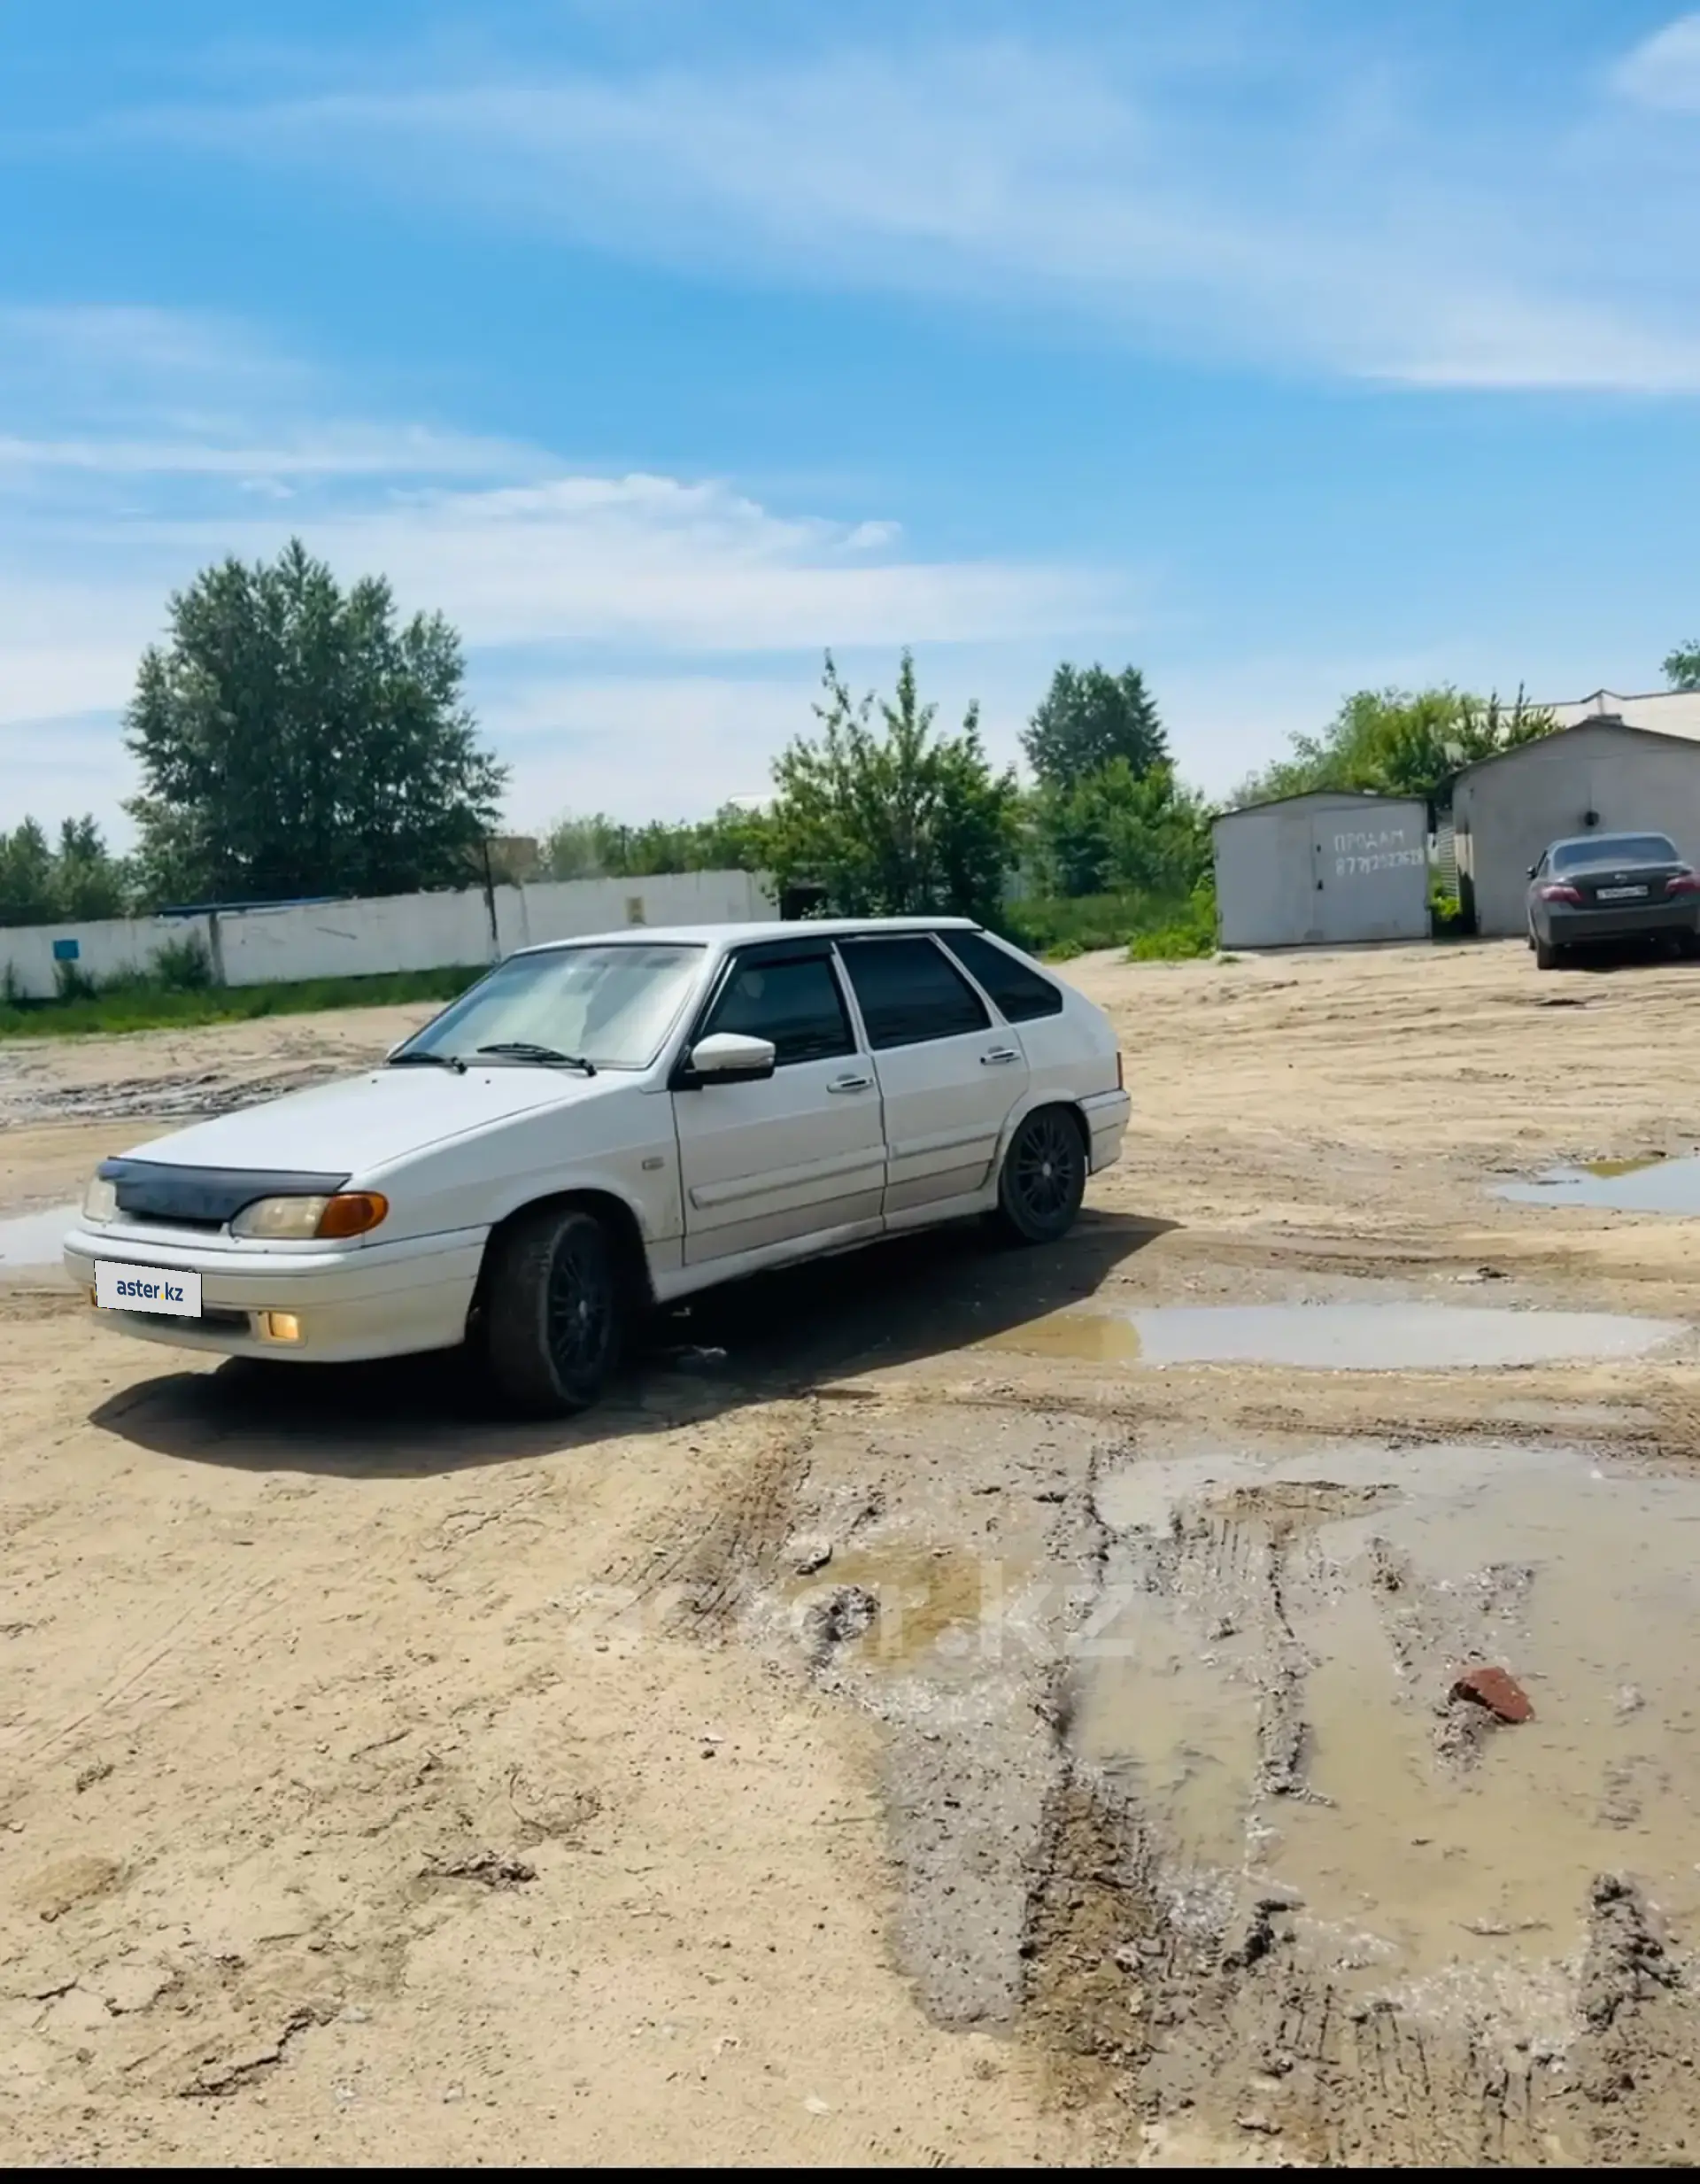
1547,957
553,1313
1044,1178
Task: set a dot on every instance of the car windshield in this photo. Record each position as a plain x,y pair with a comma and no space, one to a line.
1616,849
612,1005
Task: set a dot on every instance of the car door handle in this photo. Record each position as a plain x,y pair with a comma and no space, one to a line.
996,1055
850,1084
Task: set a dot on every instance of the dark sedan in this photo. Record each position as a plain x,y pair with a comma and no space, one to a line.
1610,888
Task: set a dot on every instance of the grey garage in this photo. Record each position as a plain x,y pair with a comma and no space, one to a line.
1329,867
1602,775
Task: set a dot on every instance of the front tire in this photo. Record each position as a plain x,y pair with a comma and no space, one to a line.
1043,1179
553,1311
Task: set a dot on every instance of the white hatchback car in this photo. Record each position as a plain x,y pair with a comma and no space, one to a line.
602,1124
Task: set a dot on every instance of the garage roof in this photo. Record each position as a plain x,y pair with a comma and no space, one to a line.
1308,796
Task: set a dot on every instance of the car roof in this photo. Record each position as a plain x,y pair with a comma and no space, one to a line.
1621,833
727,936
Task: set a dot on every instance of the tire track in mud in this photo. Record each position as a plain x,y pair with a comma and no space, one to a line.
1155,2000
706,1570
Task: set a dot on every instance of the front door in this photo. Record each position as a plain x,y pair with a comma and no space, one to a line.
948,1076
801,1152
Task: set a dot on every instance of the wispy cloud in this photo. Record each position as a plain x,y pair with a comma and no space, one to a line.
124,392
1302,210
1663,71
661,629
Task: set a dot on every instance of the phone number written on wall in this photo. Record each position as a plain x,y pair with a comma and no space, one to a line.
1357,854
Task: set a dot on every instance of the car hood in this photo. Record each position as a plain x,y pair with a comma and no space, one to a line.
360,1123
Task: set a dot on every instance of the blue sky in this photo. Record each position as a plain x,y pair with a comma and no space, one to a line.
663,343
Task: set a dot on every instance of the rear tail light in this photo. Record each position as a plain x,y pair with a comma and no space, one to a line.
1683,883
1559,890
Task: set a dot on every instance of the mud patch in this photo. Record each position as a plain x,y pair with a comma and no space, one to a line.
1272,1682
1355,1337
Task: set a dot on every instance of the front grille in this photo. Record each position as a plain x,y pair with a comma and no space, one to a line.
221,1319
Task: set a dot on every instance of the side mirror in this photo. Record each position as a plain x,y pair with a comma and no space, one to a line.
1533,869
729,1057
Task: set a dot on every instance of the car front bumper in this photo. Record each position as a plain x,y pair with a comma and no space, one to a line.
368,1301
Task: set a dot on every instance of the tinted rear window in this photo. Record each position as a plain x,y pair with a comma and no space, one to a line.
1617,849
909,991
1020,993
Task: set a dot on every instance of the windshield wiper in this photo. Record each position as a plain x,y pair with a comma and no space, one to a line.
421,1055
528,1051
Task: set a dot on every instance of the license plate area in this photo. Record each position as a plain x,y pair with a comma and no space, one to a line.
166,1290
1620,895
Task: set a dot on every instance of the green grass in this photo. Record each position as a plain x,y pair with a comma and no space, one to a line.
1151,928
145,1004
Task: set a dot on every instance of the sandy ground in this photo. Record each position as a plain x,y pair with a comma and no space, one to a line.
736,1775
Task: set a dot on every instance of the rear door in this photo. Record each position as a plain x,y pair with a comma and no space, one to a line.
948,1076
801,1152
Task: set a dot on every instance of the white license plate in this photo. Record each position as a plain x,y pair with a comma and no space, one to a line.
147,1288
1617,894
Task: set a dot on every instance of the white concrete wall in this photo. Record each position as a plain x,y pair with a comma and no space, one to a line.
1321,869
390,932
1505,812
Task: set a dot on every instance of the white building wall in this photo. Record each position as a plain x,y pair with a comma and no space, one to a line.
390,932
1506,811
1321,869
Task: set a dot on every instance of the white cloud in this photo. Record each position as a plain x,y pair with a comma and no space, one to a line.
1310,215
1663,70
622,614
684,565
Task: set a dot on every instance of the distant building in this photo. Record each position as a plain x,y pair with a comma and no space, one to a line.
1623,765
515,858
1667,712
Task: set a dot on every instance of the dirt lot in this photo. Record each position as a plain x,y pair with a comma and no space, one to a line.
947,1708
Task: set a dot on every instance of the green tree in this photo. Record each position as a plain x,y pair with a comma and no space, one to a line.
79,880
87,881
1682,666
1118,832
1400,743
595,847
1090,717
298,739
891,817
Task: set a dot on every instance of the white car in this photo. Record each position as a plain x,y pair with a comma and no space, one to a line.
603,1125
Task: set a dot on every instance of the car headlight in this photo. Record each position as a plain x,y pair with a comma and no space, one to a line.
294,1219
100,1200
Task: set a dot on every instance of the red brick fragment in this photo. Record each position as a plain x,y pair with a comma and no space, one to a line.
1501,1694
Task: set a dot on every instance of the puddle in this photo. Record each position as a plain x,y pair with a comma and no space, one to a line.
1388,1337
33,1240
1646,1186
1423,1839
932,1600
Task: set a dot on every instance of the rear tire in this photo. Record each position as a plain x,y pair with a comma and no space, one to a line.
1547,957
554,1312
1043,1179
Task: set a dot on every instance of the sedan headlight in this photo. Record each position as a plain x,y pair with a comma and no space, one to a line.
296,1220
100,1200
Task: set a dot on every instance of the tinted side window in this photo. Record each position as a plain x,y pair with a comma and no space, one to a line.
909,991
1020,993
796,1004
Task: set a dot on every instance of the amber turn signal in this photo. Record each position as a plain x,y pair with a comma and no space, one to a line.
352,1213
